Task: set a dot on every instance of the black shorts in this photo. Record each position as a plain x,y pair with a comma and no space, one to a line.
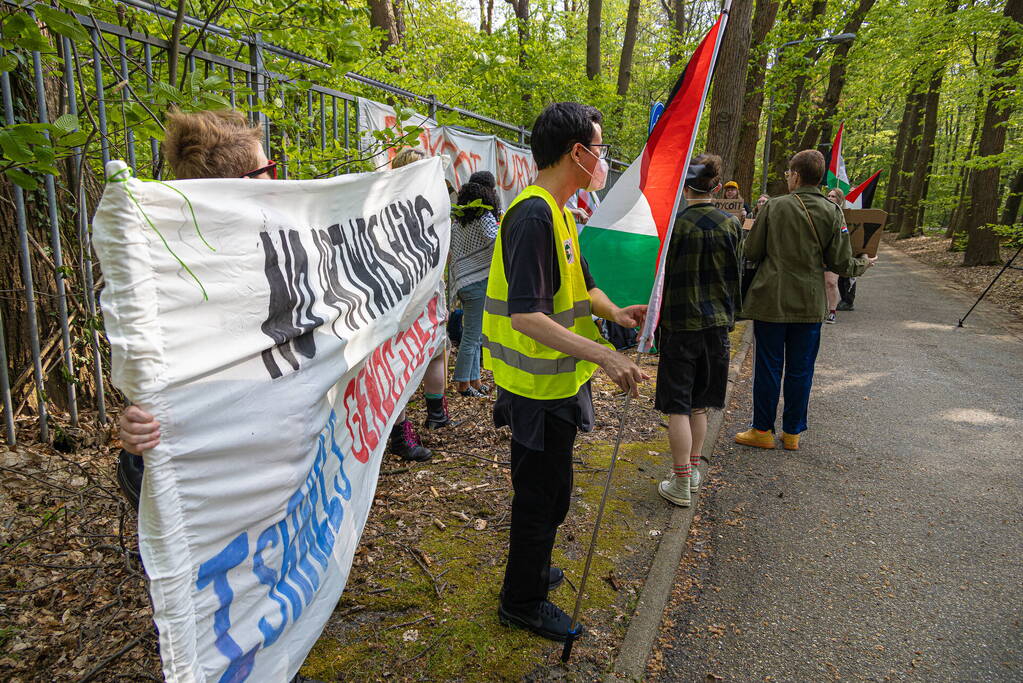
693,370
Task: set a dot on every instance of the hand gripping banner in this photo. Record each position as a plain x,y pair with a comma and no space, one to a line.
275,329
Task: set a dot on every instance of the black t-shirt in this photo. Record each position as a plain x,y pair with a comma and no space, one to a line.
531,266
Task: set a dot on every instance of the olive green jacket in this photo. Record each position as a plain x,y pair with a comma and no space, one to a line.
789,284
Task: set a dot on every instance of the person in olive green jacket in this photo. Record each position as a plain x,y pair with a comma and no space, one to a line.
795,237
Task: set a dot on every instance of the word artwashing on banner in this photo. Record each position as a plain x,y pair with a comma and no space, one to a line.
364,267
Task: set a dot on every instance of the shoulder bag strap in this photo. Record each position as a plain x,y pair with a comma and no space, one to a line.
813,226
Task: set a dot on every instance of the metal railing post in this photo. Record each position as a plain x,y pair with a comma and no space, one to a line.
26,274
55,246
259,85
5,389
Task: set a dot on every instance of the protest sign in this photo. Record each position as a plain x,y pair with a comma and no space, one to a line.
512,166
865,229
276,330
732,206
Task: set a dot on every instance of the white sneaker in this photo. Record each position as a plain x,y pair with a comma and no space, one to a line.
676,490
695,480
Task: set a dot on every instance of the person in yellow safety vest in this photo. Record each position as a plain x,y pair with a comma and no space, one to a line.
542,345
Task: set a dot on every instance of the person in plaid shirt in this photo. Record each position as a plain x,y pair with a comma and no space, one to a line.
701,295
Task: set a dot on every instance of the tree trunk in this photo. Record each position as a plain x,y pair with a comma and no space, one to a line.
1011,211
782,131
819,127
958,221
593,38
729,82
900,149
521,8
382,15
628,47
983,244
753,100
908,161
676,10
487,16
924,156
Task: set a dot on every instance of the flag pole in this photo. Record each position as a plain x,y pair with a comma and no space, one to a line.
573,632
646,338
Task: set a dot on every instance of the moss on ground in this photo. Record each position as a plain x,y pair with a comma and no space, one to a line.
457,636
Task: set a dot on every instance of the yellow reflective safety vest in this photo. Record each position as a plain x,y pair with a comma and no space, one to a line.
521,364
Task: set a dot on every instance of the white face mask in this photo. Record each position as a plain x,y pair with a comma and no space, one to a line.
598,177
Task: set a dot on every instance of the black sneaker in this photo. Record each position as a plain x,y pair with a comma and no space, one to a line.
406,445
129,476
473,392
844,306
552,622
555,578
437,413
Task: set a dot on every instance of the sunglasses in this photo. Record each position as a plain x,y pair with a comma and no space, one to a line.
271,168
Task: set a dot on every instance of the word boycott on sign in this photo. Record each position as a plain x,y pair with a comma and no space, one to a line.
275,329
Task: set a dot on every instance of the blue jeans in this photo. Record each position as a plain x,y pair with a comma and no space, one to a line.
467,366
792,346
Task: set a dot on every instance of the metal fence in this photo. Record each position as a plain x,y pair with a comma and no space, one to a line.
120,68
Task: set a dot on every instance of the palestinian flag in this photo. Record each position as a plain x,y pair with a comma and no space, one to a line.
837,177
862,196
624,240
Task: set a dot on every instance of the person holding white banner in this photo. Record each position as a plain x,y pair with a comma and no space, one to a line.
201,144
542,345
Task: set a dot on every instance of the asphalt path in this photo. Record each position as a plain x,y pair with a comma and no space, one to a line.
889,547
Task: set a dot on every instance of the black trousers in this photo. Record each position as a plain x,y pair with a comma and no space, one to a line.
542,482
847,289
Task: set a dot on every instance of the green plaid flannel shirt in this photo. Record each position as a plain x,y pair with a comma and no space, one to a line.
702,270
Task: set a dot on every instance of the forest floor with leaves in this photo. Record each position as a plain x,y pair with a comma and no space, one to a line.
420,603
933,249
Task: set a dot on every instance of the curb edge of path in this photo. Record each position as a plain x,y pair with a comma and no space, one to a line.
646,619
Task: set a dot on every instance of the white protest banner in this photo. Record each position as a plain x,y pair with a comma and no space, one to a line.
512,166
275,394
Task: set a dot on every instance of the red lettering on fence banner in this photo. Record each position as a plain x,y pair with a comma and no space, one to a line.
371,396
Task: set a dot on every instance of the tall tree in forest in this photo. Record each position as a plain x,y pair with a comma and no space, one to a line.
1011,211
820,125
782,135
753,99
729,82
676,11
910,153
487,16
593,38
384,15
910,213
628,47
983,244
894,177
521,8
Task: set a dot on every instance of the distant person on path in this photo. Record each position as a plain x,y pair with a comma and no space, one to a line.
732,192
846,285
794,238
831,278
701,293
472,246
542,345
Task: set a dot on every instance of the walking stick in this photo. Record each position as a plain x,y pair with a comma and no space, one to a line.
574,631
